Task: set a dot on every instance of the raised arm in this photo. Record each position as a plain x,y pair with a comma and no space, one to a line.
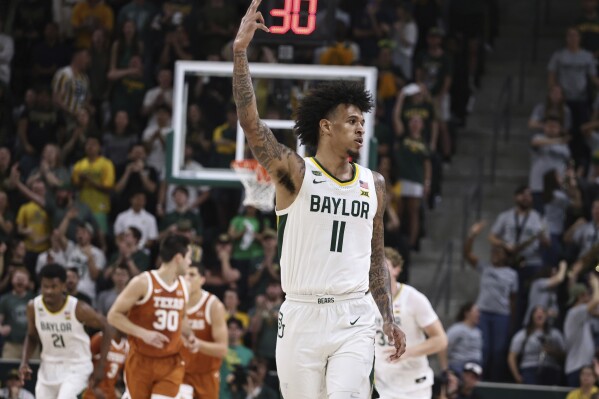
380,280
284,165
398,126
594,302
15,179
467,250
558,277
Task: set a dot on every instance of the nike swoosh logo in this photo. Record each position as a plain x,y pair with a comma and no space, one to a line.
318,181
355,321
157,291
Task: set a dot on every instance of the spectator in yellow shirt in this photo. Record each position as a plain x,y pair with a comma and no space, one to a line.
94,176
224,138
587,385
231,302
89,15
34,224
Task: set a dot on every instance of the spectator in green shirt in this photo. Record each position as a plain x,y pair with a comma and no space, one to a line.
13,314
237,355
413,168
246,231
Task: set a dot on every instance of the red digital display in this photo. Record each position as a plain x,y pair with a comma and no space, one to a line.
290,15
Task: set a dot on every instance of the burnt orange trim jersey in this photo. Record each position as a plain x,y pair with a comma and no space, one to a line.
162,309
115,360
201,324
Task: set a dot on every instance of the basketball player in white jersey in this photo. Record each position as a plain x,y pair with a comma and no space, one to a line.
411,376
57,321
330,214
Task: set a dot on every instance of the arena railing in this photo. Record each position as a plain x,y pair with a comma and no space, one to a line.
441,284
472,202
501,121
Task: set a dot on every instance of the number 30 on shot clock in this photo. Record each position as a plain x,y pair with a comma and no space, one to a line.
290,16
296,21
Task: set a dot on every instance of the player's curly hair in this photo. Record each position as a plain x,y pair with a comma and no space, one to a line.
321,101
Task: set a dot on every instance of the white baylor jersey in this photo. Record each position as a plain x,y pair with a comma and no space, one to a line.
325,235
413,312
62,336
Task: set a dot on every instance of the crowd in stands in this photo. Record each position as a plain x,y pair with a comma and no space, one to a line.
86,96
536,320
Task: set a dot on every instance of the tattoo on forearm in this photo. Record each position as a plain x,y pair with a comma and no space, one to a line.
243,91
263,143
380,280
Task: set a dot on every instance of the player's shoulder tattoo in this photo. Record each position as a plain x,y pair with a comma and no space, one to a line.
380,188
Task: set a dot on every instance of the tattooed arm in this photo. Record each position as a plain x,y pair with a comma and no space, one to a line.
380,279
284,165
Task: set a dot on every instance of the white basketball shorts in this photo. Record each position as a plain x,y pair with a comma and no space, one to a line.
325,346
61,380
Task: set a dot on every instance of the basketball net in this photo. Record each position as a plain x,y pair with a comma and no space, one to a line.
259,188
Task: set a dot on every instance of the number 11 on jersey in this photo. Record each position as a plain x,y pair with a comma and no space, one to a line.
337,236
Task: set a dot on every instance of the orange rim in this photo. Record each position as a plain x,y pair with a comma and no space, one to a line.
253,166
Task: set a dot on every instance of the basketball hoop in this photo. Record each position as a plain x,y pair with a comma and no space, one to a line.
259,188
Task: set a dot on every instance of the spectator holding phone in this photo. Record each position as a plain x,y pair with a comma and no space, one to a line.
536,351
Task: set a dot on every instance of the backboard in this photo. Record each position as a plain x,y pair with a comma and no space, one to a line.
185,71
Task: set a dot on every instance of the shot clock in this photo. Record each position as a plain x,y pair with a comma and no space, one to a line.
298,22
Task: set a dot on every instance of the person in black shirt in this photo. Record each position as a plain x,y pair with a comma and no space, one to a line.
72,283
38,126
133,177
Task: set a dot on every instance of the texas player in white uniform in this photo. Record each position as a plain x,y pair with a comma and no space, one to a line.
57,321
411,376
330,222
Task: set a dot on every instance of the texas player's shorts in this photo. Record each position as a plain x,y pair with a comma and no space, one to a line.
204,385
153,377
62,380
325,346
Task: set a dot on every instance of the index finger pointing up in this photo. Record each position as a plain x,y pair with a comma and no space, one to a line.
254,6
